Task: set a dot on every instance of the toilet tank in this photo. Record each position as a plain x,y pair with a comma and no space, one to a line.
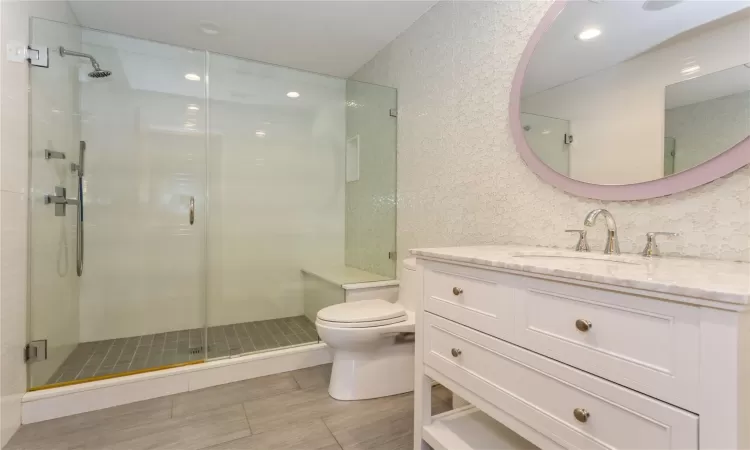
408,290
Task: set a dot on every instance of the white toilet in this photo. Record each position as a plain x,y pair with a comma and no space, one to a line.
371,356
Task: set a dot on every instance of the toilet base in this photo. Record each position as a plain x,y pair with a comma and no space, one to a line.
361,375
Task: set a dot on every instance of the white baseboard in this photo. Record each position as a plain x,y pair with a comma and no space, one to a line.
64,401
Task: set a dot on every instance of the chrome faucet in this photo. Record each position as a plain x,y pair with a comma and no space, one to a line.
612,246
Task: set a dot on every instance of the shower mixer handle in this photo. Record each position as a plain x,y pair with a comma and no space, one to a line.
60,200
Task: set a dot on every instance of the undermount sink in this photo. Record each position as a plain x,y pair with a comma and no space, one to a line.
560,255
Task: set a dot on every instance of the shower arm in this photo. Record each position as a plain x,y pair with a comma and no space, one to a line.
64,51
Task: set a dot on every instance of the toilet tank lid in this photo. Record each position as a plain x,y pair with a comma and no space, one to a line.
410,264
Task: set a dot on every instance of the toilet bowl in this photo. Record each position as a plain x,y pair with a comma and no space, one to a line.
372,344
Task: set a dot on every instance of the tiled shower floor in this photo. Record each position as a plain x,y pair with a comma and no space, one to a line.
93,359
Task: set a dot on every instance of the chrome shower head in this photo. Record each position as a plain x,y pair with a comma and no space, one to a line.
97,72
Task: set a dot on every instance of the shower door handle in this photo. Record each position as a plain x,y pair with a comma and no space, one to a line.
192,210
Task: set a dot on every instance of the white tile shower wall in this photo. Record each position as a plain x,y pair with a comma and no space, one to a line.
276,197
14,147
460,179
143,270
371,200
703,130
637,87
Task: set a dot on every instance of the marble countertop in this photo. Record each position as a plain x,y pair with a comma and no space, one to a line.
722,281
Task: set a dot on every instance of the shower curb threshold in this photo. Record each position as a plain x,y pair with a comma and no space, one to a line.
38,406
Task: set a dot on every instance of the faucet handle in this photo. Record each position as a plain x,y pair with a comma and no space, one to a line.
583,244
652,248
652,234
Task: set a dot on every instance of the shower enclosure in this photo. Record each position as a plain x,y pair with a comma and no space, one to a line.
209,183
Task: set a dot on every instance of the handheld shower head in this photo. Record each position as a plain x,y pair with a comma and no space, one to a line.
98,72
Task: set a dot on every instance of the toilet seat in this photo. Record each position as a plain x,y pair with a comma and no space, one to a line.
362,314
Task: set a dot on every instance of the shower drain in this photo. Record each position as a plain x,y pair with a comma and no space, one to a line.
197,350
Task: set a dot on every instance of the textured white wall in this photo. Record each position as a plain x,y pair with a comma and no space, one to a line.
625,143
14,184
460,179
704,130
371,200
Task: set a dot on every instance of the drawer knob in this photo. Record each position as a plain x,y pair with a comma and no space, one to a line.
581,415
457,291
583,325
456,352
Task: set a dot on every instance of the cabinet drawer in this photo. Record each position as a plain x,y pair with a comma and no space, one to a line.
649,345
479,299
545,394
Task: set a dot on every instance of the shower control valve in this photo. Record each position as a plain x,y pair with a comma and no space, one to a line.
60,200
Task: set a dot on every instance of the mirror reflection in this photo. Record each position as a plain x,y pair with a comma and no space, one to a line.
623,92
705,116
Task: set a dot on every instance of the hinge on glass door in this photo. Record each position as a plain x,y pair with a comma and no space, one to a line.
36,55
35,351
392,255
393,112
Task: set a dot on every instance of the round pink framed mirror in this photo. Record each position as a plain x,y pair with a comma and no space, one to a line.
627,100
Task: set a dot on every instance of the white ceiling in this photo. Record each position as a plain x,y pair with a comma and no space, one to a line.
152,67
329,37
627,30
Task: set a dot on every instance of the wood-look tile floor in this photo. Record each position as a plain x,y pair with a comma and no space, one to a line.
286,411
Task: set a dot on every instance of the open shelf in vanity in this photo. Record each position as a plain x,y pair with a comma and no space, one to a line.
469,428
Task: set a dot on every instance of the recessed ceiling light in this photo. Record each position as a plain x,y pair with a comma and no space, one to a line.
192,77
546,132
588,34
189,124
193,107
209,28
292,94
260,133
690,69
658,5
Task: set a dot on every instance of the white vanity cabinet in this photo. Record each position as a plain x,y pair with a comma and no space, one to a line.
550,358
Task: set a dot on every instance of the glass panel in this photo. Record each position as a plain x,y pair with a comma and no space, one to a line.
548,137
371,180
303,201
141,302
56,126
277,200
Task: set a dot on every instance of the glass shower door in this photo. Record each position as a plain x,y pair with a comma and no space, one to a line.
139,303
277,200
